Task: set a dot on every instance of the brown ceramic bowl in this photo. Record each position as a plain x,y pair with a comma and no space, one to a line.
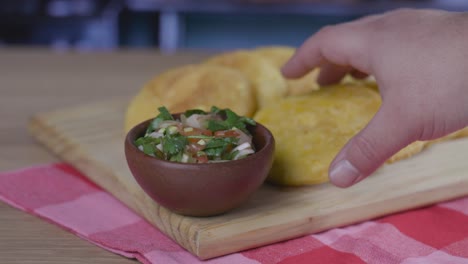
201,189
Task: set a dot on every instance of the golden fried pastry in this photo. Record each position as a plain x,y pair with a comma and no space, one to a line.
418,146
310,130
142,107
369,81
457,134
408,151
278,56
192,86
266,80
145,104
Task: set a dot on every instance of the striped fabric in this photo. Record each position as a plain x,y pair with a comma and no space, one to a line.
60,194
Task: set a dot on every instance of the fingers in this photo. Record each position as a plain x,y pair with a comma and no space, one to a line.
343,45
332,73
358,74
307,57
385,135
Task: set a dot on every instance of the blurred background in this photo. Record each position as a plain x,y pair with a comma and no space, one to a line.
169,25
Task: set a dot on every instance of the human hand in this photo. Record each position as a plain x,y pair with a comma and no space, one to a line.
419,59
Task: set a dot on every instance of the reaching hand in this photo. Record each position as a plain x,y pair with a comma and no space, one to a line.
419,59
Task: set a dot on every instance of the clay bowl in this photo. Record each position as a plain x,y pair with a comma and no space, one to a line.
201,189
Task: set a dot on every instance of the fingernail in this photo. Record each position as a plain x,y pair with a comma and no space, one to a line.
344,174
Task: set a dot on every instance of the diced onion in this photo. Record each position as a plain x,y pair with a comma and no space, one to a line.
156,135
243,137
243,153
193,121
185,158
197,121
172,129
242,147
167,123
183,119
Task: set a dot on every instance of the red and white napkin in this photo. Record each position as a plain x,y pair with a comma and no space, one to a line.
61,195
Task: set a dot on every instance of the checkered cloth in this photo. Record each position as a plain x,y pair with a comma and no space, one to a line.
60,194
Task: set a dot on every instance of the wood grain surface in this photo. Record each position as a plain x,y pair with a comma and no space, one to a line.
91,138
36,80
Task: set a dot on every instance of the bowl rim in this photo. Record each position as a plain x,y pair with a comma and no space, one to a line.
268,135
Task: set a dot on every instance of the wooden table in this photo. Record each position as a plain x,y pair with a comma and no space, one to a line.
35,80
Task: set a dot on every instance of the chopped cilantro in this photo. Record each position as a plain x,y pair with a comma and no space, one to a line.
230,155
215,110
173,144
164,113
232,121
176,144
200,137
217,125
190,112
221,142
177,157
217,146
214,152
149,145
162,116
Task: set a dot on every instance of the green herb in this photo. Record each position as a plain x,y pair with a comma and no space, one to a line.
200,137
177,157
221,142
162,116
190,112
173,144
217,146
230,155
215,110
217,125
164,113
232,121
149,145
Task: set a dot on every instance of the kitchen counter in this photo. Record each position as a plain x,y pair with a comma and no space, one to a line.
37,80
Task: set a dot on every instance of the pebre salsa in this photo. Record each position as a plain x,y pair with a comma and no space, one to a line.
198,136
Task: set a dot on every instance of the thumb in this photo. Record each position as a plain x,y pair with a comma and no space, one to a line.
385,135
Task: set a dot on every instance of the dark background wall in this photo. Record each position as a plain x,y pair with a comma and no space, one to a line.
188,24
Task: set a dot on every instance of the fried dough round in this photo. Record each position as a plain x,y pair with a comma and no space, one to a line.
310,130
408,151
143,106
418,146
368,81
278,56
192,86
266,80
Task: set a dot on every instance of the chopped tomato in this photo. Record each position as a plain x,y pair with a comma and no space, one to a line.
194,148
226,133
193,131
201,158
193,140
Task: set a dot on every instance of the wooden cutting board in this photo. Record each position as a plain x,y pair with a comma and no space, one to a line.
91,138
